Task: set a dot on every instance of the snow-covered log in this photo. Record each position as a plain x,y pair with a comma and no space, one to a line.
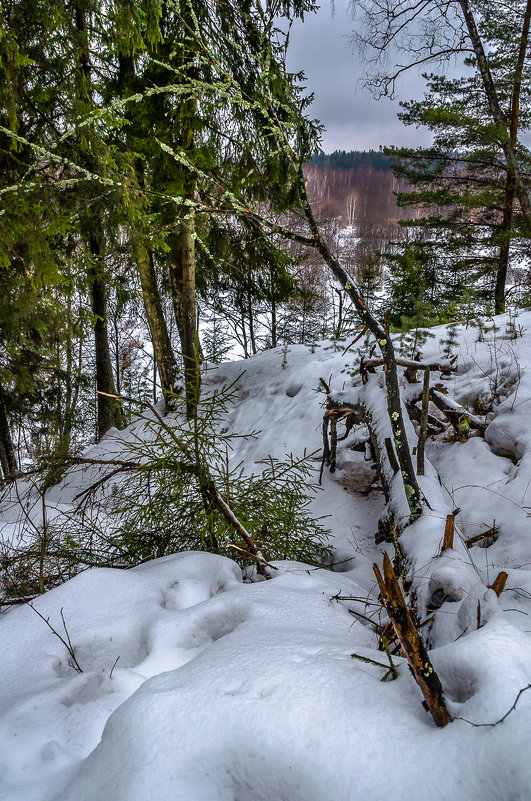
367,404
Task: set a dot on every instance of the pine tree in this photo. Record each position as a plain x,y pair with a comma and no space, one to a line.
458,187
482,166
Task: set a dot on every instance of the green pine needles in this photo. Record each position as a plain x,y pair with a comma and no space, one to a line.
182,492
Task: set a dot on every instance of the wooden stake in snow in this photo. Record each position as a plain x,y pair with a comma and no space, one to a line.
499,583
412,645
449,529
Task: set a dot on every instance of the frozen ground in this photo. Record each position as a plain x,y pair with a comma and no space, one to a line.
196,686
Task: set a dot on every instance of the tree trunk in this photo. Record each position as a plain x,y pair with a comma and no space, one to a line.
495,108
385,344
190,339
251,318
7,452
182,282
164,358
503,255
510,186
239,303
273,317
109,409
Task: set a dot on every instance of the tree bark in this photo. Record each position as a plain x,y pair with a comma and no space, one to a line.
496,112
164,358
385,344
8,461
510,186
251,317
182,282
109,409
273,323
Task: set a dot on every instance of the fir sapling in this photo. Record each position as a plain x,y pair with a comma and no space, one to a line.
169,504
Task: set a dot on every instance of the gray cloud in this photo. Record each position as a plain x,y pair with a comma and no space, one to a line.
354,120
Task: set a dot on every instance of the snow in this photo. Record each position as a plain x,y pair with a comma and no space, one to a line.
197,684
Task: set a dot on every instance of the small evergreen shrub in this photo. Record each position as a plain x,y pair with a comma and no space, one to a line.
166,504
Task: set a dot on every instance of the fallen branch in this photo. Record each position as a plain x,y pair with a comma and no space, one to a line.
356,339
412,645
253,556
461,419
502,719
411,364
487,537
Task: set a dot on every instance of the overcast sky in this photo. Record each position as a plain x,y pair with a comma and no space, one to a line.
353,119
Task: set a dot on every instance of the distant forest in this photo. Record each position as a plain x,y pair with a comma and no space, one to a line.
357,186
352,160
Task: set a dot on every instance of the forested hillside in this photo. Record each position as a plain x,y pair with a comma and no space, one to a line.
357,186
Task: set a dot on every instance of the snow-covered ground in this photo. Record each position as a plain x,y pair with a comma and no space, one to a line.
190,683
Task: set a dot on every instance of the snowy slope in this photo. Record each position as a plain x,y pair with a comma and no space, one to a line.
196,685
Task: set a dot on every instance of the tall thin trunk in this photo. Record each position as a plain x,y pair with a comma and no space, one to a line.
117,370
239,303
165,361
273,321
63,446
505,247
190,339
251,319
496,112
109,408
510,185
182,283
8,461
164,357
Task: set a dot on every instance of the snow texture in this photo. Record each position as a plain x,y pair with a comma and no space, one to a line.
199,686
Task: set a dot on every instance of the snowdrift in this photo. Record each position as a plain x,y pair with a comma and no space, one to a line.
191,683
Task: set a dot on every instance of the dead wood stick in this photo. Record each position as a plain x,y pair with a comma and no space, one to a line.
252,556
333,444
485,535
423,422
449,529
326,447
325,386
499,583
356,339
391,455
412,645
